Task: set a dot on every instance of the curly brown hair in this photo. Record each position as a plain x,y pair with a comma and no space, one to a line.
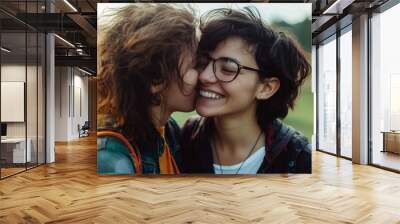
142,47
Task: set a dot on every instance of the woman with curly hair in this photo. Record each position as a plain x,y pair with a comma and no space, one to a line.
147,72
249,77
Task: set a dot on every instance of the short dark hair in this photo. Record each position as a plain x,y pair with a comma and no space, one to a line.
141,47
274,52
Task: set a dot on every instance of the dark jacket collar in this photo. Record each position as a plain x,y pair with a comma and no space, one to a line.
280,136
277,137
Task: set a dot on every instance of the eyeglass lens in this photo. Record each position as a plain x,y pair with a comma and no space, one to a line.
225,69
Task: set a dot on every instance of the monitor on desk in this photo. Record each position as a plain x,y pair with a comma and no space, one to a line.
3,130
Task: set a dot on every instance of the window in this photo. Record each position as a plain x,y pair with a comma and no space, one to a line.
385,89
327,95
346,92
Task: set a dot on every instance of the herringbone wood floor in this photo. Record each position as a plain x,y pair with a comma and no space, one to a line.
70,191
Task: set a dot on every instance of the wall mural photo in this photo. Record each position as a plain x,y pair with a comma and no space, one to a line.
204,88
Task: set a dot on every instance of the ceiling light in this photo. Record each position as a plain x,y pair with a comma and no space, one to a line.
84,71
64,40
70,5
5,50
337,7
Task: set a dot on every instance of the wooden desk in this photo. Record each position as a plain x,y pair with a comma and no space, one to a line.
13,150
391,141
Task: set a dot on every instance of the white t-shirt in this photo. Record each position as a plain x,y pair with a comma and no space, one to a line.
250,165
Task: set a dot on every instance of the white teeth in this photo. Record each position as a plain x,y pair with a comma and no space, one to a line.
210,95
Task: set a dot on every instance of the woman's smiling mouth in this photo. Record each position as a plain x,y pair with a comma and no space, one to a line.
210,94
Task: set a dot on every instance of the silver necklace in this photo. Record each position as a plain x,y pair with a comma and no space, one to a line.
213,146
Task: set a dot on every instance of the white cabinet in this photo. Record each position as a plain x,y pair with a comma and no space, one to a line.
17,146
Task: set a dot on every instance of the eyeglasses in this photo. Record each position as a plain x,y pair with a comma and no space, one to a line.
225,69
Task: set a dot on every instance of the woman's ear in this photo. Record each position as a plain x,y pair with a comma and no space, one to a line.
157,88
267,88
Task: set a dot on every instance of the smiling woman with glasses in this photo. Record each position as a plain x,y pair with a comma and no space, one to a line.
249,78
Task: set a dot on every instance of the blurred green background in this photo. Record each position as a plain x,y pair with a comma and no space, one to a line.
301,118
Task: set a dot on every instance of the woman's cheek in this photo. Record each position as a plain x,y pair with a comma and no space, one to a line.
190,80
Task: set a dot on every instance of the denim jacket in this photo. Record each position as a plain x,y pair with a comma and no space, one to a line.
113,156
287,151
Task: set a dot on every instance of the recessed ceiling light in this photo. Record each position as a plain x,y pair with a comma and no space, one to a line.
84,71
70,5
337,7
5,50
64,40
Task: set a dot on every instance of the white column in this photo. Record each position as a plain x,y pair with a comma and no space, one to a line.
50,93
360,90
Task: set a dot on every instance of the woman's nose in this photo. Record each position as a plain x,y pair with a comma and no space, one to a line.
207,75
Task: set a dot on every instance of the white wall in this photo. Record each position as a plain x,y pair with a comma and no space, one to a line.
61,103
71,94
16,73
33,126
13,73
80,102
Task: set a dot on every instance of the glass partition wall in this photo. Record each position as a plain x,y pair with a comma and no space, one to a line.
22,77
334,92
385,89
327,95
345,108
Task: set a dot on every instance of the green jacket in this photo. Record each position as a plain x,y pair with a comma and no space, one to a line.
113,156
